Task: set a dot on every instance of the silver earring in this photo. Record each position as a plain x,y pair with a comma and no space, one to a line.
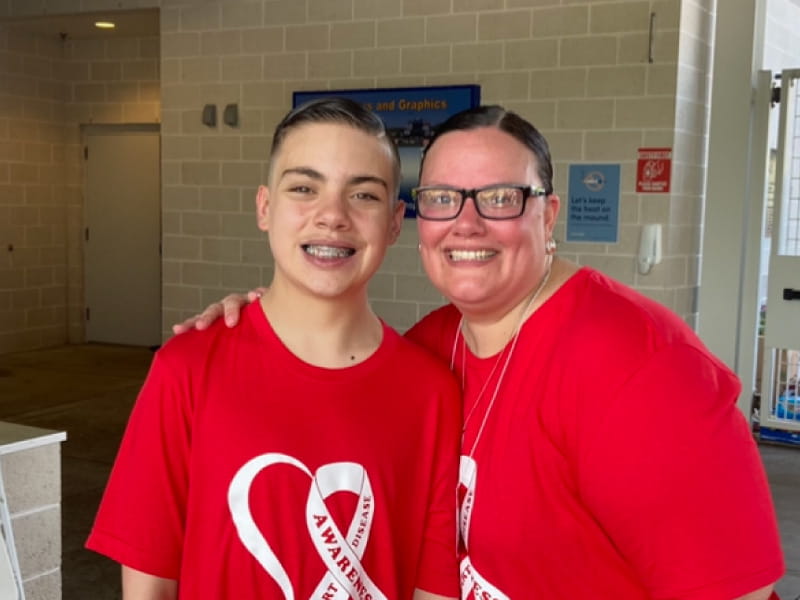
550,246
419,247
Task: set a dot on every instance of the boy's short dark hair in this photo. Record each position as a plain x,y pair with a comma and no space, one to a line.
335,109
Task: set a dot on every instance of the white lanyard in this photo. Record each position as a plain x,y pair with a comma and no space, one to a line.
472,582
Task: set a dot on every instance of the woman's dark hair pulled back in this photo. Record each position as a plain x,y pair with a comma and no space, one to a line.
507,121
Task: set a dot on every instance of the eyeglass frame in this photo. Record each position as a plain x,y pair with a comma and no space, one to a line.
527,192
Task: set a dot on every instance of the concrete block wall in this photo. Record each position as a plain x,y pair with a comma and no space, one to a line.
35,507
33,236
580,71
48,90
628,102
680,275
112,81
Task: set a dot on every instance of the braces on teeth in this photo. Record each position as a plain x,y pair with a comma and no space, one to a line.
328,251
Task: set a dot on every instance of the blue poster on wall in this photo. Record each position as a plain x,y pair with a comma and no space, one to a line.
411,116
593,205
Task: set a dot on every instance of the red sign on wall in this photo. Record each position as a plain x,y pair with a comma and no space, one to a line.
653,170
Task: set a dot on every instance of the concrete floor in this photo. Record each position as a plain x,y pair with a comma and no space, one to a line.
88,392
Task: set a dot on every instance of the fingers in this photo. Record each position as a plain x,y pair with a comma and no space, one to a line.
232,304
186,325
255,294
201,321
178,328
229,308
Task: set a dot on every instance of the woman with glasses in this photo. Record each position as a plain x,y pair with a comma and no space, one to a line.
603,455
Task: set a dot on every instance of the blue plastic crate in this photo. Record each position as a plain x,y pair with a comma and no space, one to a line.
788,407
779,436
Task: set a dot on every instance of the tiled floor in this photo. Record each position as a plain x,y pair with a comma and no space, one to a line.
88,392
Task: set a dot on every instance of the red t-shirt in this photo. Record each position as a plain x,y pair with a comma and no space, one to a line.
614,463
246,473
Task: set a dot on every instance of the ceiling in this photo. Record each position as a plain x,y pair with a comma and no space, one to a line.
129,23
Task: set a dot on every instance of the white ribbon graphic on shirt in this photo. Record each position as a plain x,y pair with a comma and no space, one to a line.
342,555
472,582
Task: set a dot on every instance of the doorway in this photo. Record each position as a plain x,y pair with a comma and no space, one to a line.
122,236
781,361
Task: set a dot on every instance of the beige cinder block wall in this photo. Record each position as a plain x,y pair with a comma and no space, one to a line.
49,88
33,268
580,71
112,81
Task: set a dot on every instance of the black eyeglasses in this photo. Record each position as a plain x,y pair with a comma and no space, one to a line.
497,202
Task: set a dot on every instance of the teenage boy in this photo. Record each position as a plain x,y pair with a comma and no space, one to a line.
311,452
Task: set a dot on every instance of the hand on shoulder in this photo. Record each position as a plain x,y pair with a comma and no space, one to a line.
229,307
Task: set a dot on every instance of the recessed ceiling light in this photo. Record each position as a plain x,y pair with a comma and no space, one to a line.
104,25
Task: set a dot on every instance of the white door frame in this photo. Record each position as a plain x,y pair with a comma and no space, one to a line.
727,297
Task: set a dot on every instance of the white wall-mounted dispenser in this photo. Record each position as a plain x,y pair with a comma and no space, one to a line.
649,248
